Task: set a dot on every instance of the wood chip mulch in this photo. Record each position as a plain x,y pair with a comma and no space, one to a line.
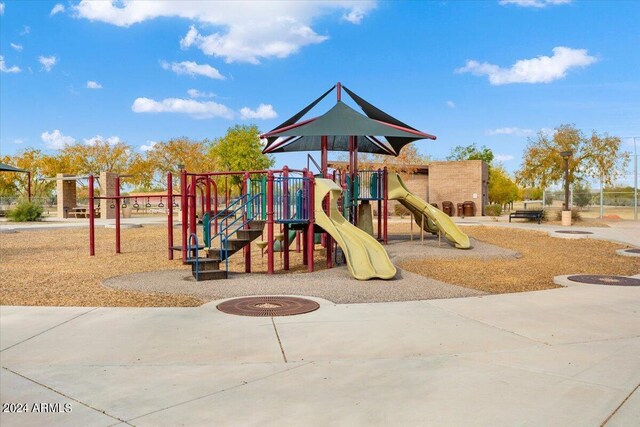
543,257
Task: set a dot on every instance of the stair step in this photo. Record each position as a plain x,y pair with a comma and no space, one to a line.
210,275
204,264
249,234
257,224
235,245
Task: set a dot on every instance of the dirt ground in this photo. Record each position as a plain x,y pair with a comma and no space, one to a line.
53,267
542,258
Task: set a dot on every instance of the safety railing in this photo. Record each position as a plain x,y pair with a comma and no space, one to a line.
193,250
291,200
238,214
371,185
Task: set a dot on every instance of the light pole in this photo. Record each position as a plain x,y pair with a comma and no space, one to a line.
566,212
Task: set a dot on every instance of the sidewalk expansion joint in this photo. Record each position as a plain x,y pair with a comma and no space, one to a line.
284,356
244,383
47,330
65,396
604,423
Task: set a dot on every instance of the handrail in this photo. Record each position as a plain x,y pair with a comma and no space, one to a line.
224,228
194,237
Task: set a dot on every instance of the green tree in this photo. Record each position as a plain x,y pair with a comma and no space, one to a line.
239,150
597,156
40,165
502,189
582,194
471,152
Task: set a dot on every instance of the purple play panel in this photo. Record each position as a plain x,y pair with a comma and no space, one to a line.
593,279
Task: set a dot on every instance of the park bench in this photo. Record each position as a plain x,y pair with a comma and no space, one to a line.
537,215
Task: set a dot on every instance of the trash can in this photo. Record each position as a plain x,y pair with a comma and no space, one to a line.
460,209
447,207
469,208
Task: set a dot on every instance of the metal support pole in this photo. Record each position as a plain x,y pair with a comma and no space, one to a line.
385,204
29,186
92,237
270,222
192,206
117,214
601,197
287,215
247,248
310,235
184,206
635,180
170,214
566,184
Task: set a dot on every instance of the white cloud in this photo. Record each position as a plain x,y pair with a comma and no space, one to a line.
510,131
451,104
93,85
197,109
191,68
48,62
148,146
18,141
1,8
241,32
263,112
25,30
58,8
5,69
503,157
17,47
543,69
113,140
534,3
56,139
195,93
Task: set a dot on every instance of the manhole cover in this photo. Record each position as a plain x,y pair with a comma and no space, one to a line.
573,232
633,251
593,279
268,306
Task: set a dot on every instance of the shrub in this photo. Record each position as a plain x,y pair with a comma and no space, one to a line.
493,210
400,210
26,211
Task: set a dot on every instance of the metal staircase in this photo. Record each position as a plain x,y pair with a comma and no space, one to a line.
238,228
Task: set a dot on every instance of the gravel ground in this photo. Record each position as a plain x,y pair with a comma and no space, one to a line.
334,285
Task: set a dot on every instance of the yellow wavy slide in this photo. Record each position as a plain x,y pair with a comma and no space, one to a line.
436,220
366,258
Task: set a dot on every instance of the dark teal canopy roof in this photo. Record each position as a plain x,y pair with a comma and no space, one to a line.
8,168
375,132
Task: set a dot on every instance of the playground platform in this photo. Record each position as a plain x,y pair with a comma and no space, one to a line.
566,356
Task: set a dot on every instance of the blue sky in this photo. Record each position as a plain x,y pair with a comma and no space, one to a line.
489,72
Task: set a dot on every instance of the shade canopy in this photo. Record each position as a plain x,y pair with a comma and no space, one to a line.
8,168
344,128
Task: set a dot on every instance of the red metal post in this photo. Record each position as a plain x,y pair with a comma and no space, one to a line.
312,214
339,90
184,206
297,242
270,257
170,215
192,206
117,214
385,214
207,196
353,180
92,237
380,196
324,156
286,210
247,249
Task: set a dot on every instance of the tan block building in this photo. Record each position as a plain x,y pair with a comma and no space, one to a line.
451,181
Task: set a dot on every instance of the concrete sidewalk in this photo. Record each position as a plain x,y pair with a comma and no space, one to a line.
567,356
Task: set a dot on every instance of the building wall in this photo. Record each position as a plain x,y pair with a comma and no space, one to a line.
66,191
459,182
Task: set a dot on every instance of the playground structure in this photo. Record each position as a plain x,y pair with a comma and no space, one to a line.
336,204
